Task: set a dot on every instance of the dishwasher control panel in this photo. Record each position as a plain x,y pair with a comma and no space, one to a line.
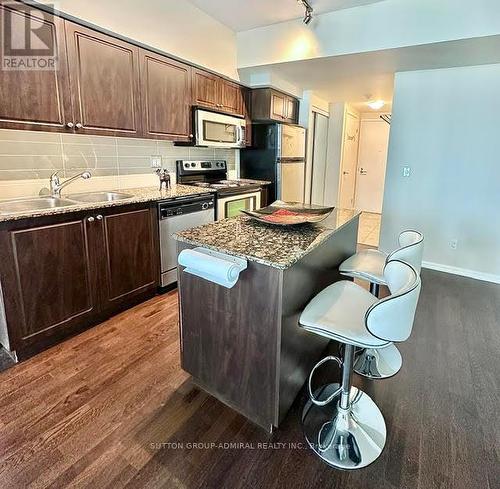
179,207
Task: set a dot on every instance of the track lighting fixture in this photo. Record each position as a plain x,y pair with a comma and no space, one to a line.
308,14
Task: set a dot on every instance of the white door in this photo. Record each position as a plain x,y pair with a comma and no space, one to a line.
319,149
373,144
349,162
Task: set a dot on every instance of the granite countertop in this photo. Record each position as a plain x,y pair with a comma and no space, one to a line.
275,246
139,195
251,180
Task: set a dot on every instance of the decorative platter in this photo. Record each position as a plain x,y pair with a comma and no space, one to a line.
281,213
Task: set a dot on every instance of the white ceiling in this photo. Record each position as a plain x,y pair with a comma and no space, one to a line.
241,15
354,78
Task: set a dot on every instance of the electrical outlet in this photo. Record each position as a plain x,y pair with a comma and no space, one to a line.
454,244
155,161
406,171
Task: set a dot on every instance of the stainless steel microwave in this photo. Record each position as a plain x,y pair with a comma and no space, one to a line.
219,130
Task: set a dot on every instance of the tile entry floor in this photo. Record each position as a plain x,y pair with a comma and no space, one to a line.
369,229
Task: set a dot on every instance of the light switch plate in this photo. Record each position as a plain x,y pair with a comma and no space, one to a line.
406,171
155,161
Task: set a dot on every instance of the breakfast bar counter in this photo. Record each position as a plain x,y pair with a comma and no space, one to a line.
243,344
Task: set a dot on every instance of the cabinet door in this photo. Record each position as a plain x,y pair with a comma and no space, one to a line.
48,281
130,256
104,74
166,91
206,89
291,106
34,99
278,106
232,97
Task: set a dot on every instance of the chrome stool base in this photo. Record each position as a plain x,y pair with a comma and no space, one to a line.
346,439
379,363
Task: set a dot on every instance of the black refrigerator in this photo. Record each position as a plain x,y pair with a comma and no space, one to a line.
277,154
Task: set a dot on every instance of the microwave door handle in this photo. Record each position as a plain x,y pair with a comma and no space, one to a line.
240,135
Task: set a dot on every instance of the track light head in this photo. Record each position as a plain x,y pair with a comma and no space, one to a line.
308,14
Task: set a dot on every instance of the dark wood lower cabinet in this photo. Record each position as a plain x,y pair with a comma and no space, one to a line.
129,256
62,274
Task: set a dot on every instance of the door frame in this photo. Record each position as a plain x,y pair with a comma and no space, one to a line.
309,159
356,183
310,178
347,112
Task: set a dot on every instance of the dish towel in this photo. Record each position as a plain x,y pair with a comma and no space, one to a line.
213,266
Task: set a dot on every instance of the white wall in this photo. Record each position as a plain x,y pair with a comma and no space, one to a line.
383,25
445,126
174,26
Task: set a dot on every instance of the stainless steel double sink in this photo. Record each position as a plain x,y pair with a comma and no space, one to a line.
42,203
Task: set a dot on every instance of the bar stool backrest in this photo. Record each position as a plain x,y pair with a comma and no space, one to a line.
411,249
391,318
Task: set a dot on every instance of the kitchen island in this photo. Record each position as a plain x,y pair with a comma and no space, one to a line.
243,344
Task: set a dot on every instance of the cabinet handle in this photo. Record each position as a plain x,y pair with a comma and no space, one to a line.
90,219
70,125
99,217
78,125
191,135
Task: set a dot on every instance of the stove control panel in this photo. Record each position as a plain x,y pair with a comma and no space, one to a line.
187,166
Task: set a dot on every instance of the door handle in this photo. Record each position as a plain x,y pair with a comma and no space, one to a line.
362,171
345,173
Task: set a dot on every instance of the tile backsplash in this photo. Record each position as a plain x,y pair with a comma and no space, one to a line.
30,155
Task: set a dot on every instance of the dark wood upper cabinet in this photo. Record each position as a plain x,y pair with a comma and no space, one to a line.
277,105
104,75
105,86
217,93
130,264
62,274
34,99
232,97
206,90
292,110
270,104
166,97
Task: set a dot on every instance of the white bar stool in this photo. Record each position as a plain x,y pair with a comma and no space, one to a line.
369,265
341,423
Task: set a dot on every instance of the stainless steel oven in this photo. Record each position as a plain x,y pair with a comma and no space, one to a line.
231,205
219,130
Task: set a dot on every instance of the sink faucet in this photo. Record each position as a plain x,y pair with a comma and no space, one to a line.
56,186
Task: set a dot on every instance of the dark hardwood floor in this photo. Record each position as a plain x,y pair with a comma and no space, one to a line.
111,408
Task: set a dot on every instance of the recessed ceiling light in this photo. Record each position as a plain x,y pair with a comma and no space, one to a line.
376,104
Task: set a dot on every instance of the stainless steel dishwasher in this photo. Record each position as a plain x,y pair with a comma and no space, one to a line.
178,215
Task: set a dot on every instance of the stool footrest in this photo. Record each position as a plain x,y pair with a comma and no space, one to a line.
330,398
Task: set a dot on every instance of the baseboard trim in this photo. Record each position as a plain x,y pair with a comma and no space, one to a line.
464,272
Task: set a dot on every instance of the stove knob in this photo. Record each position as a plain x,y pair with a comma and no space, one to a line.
193,165
186,165
204,206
